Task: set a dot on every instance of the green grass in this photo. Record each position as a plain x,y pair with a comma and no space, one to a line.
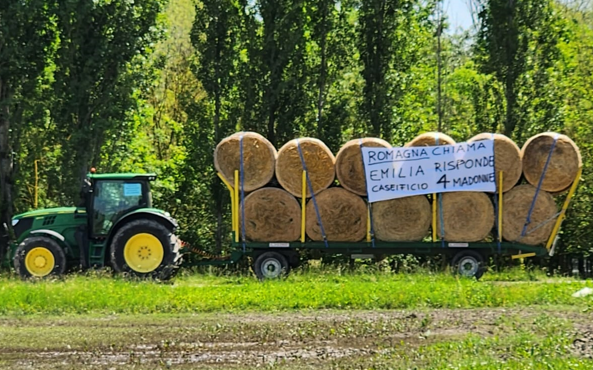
318,289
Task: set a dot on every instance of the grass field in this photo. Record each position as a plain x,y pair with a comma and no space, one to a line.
327,319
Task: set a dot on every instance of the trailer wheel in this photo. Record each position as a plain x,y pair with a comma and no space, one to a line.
271,265
468,263
39,257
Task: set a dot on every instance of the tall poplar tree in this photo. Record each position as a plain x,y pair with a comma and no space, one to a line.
94,83
26,36
510,31
215,35
389,46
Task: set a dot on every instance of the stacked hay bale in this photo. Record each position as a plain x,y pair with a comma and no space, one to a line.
507,158
259,159
349,164
308,153
529,210
273,212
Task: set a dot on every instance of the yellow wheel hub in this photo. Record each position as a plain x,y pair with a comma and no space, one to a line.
144,252
40,261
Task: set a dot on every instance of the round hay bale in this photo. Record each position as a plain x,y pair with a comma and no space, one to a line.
564,163
516,205
507,158
343,214
468,216
402,219
259,159
320,166
430,139
349,166
272,215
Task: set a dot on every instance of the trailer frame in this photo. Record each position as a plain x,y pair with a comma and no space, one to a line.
370,247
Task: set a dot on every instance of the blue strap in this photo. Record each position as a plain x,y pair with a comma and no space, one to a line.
539,185
242,180
310,186
369,204
440,200
498,190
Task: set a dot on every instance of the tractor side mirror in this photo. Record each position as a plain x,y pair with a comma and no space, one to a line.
85,192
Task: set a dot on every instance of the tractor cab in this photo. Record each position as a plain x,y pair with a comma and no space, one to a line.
109,197
113,225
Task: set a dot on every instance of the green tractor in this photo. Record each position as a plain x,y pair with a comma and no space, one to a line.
115,225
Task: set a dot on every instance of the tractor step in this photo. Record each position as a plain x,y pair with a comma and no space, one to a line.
97,254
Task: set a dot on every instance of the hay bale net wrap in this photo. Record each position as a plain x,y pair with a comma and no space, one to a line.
507,158
318,158
349,165
564,163
430,139
516,205
402,219
343,214
272,215
468,216
259,159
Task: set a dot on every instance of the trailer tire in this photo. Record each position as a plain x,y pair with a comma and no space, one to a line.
39,257
468,263
270,265
146,249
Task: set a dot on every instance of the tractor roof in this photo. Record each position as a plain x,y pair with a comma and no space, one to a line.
122,176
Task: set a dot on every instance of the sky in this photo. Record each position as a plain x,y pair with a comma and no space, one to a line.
458,14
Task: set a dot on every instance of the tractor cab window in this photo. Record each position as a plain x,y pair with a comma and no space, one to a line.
112,199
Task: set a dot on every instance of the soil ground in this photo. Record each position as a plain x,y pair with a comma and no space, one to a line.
303,339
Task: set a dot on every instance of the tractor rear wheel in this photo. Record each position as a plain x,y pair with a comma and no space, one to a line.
39,257
147,249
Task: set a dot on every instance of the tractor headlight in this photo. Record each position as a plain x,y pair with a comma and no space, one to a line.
14,222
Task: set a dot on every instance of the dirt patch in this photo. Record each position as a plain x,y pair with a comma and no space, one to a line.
257,339
583,344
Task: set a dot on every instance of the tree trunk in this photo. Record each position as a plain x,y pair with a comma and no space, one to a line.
216,190
5,169
323,72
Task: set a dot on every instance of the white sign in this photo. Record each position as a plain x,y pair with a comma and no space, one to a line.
402,172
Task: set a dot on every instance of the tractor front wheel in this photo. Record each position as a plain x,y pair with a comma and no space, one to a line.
145,248
39,257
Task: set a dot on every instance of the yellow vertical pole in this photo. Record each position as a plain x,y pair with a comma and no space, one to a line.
500,206
36,185
434,217
369,223
303,206
562,214
236,206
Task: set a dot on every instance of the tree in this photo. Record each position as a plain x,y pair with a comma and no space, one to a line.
282,67
215,34
94,77
509,32
388,44
26,37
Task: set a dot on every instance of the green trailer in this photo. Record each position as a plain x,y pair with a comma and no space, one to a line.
115,225
274,259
